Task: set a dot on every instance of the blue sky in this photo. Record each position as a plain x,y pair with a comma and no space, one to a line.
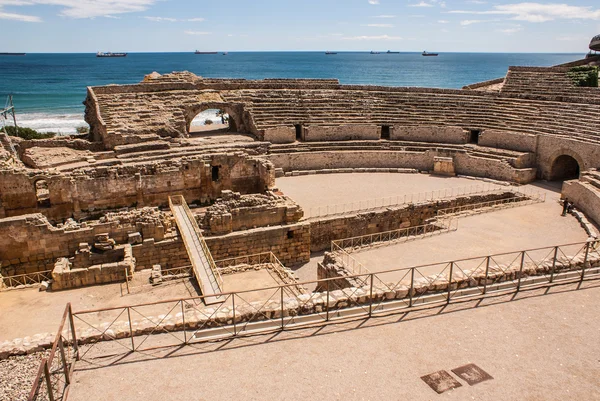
237,25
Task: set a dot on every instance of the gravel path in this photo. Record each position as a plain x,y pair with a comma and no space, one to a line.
17,375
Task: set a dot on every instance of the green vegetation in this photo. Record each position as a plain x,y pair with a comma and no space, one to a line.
82,130
28,133
584,76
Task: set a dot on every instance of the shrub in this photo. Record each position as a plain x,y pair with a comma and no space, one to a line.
82,130
584,76
28,133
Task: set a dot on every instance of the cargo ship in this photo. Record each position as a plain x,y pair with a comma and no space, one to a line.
427,54
328,52
109,54
12,54
199,52
391,52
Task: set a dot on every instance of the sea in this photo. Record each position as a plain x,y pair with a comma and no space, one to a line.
48,89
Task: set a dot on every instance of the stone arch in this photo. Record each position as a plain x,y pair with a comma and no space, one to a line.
235,112
565,166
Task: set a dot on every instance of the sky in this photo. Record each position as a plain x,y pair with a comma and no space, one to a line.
284,25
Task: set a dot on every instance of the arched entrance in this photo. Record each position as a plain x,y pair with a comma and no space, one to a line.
564,168
212,121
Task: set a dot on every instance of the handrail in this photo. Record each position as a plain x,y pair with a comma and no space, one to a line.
180,201
398,200
521,199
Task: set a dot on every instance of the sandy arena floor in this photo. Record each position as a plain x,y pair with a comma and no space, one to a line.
537,347
311,191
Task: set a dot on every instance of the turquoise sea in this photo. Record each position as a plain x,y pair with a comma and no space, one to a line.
49,89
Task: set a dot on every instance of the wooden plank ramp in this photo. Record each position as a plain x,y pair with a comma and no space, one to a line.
203,265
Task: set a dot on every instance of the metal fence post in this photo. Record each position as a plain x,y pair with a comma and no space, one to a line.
450,282
282,324
371,297
183,321
521,270
49,388
487,269
412,287
585,259
73,333
130,329
553,264
327,302
61,348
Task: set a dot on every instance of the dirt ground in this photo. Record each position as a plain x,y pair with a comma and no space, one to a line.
536,347
313,191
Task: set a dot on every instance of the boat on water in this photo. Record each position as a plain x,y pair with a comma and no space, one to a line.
199,52
225,53
12,54
110,54
427,54
374,52
328,52
391,52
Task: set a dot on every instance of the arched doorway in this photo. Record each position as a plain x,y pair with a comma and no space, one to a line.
212,121
564,168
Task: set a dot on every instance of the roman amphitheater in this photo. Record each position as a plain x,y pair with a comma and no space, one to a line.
152,246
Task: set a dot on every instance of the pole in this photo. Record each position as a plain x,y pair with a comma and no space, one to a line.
327,303
48,381
450,282
183,321
585,259
487,269
65,365
130,329
412,286
371,297
553,264
73,333
521,270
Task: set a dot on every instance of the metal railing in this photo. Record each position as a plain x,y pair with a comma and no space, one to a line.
180,201
8,282
523,198
440,226
186,321
398,200
56,372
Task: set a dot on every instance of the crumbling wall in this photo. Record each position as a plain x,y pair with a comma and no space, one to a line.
29,243
68,274
235,212
508,140
88,191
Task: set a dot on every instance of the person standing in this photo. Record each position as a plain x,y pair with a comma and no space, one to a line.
565,207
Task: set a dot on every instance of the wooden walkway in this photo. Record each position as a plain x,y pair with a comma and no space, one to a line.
204,268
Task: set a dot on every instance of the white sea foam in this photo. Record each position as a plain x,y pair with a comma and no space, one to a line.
60,123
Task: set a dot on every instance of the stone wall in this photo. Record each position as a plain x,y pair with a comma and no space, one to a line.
279,135
429,134
87,191
235,212
550,148
29,243
68,274
341,133
497,168
325,230
508,140
291,244
584,196
169,253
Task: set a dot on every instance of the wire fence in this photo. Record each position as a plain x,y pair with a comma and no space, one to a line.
522,198
10,282
55,373
398,200
144,327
